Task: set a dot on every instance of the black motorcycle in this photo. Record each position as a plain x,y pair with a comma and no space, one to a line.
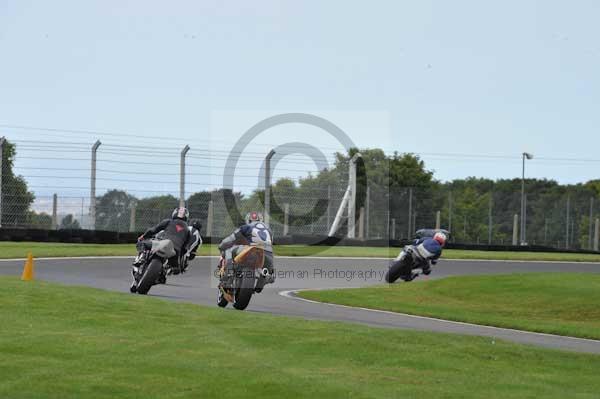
154,263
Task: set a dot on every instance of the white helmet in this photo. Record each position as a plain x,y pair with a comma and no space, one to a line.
440,238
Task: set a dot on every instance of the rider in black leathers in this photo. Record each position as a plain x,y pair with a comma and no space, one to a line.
176,230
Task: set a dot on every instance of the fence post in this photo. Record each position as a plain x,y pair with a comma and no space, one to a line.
515,229
54,212
361,223
438,220
490,226
286,220
184,151
352,199
81,219
209,219
132,217
2,141
591,219
93,186
393,228
328,207
597,234
268,186
410,194
367,212
450,211
568,226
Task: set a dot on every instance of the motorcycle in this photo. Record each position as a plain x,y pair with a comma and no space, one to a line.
405,265
249,277
409,260
154,263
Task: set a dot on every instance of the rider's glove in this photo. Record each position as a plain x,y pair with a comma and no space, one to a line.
140,238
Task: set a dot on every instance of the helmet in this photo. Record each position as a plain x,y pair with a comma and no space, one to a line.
253,217
440,238
195,223
180,213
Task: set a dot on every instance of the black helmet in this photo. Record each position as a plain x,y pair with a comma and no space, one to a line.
253,217
195,223
180,213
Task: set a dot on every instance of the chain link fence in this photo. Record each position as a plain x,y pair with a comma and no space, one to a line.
560,221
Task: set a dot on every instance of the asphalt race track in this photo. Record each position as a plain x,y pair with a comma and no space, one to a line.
199,286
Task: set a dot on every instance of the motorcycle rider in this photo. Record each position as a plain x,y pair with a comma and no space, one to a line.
253,233
425,251
176,230
194,226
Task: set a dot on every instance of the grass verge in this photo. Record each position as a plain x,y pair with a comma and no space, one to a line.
10,250
557,303
70,342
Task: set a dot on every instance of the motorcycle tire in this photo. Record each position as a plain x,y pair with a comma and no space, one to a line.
245,288
150,276
397,270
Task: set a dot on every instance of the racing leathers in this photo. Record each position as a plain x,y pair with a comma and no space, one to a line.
175,230
424,252
195,244
251,234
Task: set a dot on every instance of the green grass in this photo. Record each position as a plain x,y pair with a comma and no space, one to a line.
9,250
69,342
557,303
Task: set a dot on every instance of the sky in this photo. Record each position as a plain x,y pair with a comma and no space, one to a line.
468,85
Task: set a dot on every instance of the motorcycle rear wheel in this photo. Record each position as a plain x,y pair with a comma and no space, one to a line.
244,288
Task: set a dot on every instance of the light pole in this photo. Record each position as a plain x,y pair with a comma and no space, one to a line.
93,187
529,156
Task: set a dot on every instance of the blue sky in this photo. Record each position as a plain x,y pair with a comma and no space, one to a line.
431,77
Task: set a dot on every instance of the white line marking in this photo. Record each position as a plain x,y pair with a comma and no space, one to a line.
291,294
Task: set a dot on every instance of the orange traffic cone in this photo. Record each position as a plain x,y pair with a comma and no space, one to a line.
28,269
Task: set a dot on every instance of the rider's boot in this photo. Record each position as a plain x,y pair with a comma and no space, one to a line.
426,269
267,276
409,278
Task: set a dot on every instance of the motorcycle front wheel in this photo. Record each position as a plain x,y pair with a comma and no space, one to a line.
398,268
150,276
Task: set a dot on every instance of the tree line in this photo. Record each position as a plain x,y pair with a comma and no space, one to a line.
398,193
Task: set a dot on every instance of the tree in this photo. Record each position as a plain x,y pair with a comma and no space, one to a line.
225,219
113,211
16,198
69,223
39,220
150,211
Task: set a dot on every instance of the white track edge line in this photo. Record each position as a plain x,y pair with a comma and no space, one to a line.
290,294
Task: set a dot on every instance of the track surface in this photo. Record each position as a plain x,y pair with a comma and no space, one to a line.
198,286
